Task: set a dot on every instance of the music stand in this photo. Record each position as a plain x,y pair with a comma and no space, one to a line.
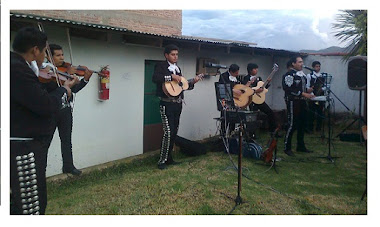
224,100
223,93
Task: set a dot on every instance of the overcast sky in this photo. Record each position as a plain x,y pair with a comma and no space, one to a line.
279,29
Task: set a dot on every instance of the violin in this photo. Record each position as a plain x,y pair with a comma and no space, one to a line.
80,70
47,77
272,145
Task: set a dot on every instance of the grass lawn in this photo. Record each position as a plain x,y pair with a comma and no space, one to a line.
207,184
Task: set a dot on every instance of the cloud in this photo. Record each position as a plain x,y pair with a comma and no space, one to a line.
280,29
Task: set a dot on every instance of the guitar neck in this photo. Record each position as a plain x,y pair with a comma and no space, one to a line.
269,77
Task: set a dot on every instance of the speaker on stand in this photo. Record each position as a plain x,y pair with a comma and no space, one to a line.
357,80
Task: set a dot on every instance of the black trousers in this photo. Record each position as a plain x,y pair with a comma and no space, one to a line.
268,111
64,123
28,176
170,115
315,112
296,113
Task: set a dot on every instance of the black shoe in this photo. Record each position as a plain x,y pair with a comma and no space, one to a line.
304,150
162,166
289,152
74,171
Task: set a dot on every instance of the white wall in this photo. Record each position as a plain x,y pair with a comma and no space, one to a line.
112,129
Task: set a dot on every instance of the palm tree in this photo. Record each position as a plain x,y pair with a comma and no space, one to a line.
351,27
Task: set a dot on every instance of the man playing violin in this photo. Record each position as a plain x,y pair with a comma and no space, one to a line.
170,107
64,118
31,126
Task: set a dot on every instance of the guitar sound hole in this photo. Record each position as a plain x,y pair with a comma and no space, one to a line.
180,84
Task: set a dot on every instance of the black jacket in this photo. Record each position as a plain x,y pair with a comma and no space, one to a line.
31,106
293,85
317,83
161,72
224,78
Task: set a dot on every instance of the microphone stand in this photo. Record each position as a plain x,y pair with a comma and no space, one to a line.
328,100
238,199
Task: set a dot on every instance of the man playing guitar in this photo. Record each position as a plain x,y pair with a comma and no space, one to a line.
170,107
231,77
252,70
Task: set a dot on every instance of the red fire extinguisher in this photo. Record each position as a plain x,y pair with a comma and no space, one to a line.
104,82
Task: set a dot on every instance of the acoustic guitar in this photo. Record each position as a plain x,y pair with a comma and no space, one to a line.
174,88
245,98
259,98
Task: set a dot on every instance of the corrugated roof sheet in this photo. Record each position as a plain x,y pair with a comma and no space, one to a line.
187,38
112,28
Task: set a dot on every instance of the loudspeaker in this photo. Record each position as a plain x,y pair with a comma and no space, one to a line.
357,73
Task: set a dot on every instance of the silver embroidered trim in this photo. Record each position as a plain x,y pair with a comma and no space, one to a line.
290,117
289,80
168,78
28,183
165,145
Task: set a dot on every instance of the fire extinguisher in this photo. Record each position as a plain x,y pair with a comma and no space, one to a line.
104,84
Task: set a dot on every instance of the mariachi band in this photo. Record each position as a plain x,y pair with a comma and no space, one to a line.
41,100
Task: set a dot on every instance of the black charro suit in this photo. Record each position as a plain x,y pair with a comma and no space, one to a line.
31,126
170,109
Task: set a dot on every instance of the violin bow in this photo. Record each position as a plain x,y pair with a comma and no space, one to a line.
71,52
50,55
69,41
40,27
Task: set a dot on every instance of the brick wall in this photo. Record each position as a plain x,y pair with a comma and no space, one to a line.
164,22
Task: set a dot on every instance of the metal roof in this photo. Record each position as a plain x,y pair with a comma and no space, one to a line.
112,28
178,37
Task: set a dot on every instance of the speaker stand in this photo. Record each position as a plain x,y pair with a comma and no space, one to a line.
360,118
